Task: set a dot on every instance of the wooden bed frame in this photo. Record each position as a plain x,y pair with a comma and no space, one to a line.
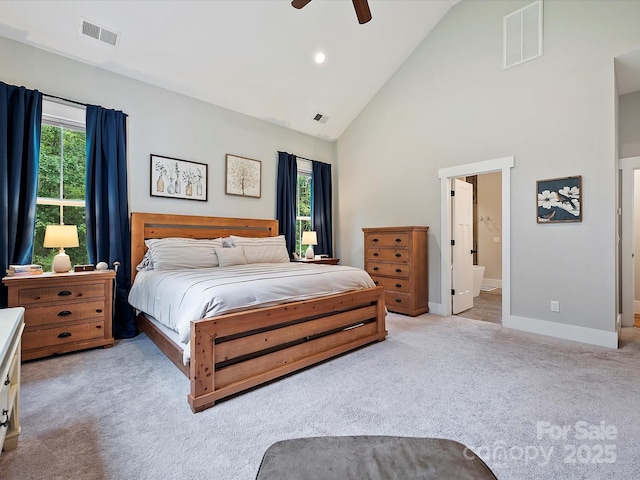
234,352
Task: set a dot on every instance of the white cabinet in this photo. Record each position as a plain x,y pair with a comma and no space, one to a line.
11,327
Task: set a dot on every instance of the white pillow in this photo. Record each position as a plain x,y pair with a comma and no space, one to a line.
258,242
146,264
267,254
231,256
180,253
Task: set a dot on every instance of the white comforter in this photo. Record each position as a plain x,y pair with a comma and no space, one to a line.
177,297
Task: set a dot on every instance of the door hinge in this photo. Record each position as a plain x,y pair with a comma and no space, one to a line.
453,242
453,193
453,291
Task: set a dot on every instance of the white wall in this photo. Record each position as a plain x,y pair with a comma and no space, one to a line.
489,196
165,123
629,125
451,103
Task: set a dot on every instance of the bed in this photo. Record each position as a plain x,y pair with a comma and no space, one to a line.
236,351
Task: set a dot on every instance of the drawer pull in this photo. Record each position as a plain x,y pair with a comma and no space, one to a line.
375,269
398,240
64,313
7,381
5,413
64,293
398,255
64,335
398,270
398,285
398,300
98,310
375,240
376,282
376,254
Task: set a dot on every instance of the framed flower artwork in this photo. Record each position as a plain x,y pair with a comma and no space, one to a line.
560,200
175,178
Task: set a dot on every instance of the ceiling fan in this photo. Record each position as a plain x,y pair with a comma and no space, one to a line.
361,6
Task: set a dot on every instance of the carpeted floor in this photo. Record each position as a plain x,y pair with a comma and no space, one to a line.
532,407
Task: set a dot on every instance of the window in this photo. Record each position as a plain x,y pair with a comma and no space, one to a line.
61,180
303,204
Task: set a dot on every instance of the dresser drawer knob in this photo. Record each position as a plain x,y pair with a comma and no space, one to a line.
398,270
98,310
398,255
64,313
398,300
375,269
5,413
7,381
376,282
375,240
398,285
64,335
376,254
398,240
64,293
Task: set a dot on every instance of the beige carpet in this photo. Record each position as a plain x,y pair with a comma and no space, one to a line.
121,413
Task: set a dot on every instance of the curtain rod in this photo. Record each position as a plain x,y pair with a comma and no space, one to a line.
71,101
309,160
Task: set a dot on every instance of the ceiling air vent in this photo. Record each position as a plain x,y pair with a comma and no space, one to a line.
321,118
523,35
102,34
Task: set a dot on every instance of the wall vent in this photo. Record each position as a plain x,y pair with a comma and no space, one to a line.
90,29
523,35
321,118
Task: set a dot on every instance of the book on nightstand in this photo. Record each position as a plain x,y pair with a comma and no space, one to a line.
32,269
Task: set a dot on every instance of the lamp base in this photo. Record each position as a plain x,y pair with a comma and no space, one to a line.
61,262
309,253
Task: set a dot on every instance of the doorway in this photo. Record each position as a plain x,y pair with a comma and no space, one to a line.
447,175
630,279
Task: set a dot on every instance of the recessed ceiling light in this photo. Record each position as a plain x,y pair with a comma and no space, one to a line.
320,58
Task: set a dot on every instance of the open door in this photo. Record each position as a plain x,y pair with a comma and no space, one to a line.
462,246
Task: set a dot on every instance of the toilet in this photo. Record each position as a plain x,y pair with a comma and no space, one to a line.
478,275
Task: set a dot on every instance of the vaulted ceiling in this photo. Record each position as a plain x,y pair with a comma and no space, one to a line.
251,56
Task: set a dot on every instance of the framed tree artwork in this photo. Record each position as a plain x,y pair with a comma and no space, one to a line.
560,200
243,176
175,178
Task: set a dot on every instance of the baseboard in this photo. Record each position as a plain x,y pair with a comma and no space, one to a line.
436,309
576,333
492,282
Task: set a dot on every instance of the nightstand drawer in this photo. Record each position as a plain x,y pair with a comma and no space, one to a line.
61,335
388,254
392,284
63,312
27,296
401,270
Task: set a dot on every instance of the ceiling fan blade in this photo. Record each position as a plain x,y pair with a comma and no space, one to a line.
299,3
362,10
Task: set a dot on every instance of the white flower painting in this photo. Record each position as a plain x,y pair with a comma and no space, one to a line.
559,200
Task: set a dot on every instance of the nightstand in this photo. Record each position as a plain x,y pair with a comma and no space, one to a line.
323,260
64,312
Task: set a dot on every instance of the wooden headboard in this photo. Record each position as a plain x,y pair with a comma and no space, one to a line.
160,225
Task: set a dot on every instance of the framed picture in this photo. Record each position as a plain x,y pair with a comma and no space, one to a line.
560,200
175,178
243,176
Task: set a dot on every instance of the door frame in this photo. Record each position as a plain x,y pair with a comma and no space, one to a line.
627,166
504,164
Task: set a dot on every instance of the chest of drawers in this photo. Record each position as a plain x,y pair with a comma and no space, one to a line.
11,326
396,258
64,312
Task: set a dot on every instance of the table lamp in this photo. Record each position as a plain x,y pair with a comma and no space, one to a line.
61,236
309,238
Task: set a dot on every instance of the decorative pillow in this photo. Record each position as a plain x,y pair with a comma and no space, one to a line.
145,264
266,254
231,256
181,253
258,242
227,243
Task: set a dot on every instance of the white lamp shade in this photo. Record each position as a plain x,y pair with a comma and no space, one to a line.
309,238
61,236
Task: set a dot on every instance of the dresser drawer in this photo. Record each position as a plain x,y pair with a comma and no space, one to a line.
388,254
386,239
392,284
397,302
400,270
63,313
28,296
62,335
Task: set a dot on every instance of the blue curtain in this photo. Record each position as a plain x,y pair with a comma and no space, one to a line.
20,119
321,194
287,198
108,238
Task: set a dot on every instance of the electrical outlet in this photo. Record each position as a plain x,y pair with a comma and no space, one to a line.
555,306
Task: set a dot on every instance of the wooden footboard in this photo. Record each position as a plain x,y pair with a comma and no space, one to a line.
234,352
